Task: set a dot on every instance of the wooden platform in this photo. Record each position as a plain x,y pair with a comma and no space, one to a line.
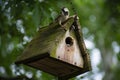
53,66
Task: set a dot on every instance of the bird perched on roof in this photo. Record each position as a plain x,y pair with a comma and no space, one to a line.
63,16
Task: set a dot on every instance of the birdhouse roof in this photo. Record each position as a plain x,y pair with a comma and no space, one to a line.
43,41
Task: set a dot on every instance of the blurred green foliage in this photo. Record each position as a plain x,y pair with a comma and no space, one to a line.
20,19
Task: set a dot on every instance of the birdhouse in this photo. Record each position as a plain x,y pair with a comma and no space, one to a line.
58,50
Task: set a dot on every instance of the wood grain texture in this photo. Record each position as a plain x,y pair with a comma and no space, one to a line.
69,53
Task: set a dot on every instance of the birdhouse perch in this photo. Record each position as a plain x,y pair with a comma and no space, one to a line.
58,50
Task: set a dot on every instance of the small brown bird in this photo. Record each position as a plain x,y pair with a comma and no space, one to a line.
63,16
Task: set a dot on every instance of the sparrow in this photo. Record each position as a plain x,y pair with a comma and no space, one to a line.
63,16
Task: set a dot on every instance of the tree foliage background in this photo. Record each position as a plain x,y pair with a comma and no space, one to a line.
100,22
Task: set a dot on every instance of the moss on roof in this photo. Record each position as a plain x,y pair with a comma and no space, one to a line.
44,41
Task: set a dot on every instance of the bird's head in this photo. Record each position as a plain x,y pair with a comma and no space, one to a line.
65,11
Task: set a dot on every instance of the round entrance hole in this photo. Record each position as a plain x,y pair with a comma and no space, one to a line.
69,41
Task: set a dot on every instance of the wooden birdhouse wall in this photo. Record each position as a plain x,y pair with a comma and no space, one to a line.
68,50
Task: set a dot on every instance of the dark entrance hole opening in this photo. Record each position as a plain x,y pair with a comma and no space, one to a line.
69,41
